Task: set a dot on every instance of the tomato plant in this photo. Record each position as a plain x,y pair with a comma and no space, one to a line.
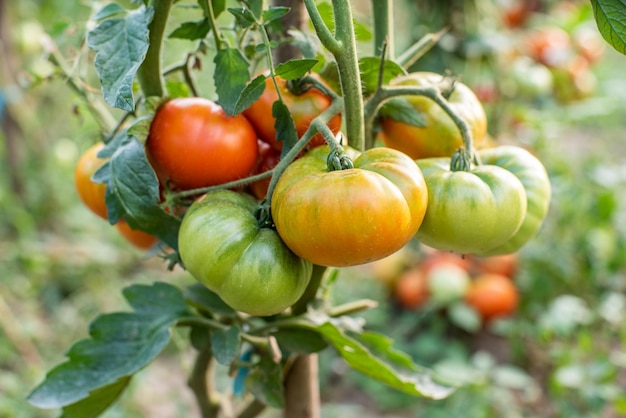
440,136
91,194
492,295
193,143
303,105
349,216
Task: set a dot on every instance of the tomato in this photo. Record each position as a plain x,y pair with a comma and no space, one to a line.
550,46
492,295
440,137
411,289
435,257
304,108
193,143
352,216
136,237
249,267
90,193
504,264
472,211
268,159
533,176
447,282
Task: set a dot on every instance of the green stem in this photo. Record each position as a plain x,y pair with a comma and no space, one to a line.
217,35
197,320
382,11
149,74
229,185
198,383
324,34
418,49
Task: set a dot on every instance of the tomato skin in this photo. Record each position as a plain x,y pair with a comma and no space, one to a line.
533,176
193,143
250,268
138,238
440,137
268,159
447,282
349,217
304,108
492,295
411,289
470,212
90,193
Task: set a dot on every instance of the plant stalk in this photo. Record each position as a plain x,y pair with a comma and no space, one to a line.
382,11
199,383
149,73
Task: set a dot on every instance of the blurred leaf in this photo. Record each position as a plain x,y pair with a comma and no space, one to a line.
120,46
231,77
274,13
192,30
265,381
121,344
399,109
370,68
464,317
300,341
225,345
372,355
202,298
98,401
610,16
294,69
218,7
308,43
285,126
109,10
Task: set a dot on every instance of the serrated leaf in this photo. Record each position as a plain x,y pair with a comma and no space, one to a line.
300,340
389,366
225,345
231,76
273,13
97,402
285,126
251,93
192,30
120,345
369,68
244,16
109,10
265,382
120,46
610,17
140,128
401,110
294,69
202,298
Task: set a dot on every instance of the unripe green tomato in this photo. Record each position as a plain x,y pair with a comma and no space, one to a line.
447,282
249,267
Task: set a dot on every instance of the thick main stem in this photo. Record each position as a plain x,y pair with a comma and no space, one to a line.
198,382
301,386
149,74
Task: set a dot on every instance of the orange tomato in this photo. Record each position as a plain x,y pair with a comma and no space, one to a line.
492,295
90,193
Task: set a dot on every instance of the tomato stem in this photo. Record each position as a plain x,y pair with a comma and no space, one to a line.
230,185
382,11
149,73
418,49
199,382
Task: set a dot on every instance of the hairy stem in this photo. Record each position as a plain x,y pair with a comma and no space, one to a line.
149,74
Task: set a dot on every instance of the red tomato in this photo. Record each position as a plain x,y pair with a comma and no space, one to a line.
193,143
304,108
411,289
136,237
90,193
504,265
268,159
492,295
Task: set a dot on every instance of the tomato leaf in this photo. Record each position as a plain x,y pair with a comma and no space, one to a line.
192,30
273,13
218,7
250,94
231,76
266,383
372,355
294,69
120,45
225,345
109,10
370,68
203,299
245,17
610,17
120,345
285,126
400,109
300,340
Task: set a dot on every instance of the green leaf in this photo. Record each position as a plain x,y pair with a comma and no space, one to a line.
301,341
109,10
265,382
192,30
231,76
225,345
294,69
285,126
140,128
369,68
273,13
244,16
250,94
120,45
308,43
121,344
464,316
98,401
255,6
610,16
372,355
202,298
401,110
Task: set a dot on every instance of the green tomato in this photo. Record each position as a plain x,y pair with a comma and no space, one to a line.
447,282
249,267
533,176
470,212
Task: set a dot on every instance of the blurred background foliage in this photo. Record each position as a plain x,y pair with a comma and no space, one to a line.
548,83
